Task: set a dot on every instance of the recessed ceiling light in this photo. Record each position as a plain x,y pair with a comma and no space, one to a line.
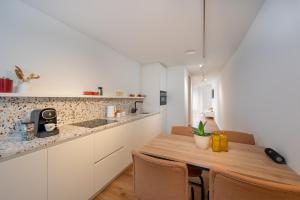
200,65
205,79
190,52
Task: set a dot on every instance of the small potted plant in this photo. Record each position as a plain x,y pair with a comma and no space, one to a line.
24,86
202,138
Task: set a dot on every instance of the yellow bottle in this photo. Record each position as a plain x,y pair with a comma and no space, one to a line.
223,142
216,142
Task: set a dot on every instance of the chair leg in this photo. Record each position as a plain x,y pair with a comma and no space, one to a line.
202,188
192,193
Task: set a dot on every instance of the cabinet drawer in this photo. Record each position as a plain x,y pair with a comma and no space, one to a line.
108,141
108,168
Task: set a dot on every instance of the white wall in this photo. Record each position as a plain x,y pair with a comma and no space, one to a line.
177,113
259,87
67,61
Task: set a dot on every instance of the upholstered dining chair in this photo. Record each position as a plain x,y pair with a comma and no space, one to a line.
182,130
193,171
226,185
157,179
238,137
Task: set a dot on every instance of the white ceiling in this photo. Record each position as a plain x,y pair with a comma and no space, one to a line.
159,30
227,23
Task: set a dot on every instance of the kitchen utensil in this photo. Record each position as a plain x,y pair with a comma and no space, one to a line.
90,93
50,127
27,130
119,93
110,111
6,85
100,90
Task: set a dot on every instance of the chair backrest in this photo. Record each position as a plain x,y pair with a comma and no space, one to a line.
159,179
182,130
239,137
225,185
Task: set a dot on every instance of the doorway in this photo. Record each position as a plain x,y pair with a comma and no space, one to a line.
201,102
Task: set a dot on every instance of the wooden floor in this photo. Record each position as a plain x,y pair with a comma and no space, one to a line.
122,188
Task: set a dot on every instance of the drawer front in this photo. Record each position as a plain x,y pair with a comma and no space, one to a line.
108,168
108,141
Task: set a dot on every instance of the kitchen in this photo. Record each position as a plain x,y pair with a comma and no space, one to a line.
87,87
69,157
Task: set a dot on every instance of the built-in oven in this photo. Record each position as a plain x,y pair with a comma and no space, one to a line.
163,98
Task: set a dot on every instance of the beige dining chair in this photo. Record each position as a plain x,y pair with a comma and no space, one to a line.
225,185
238,137
182,130
157,179
193,170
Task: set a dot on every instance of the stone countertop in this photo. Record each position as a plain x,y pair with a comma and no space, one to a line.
11,147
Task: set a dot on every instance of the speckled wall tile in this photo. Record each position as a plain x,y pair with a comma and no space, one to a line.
69,110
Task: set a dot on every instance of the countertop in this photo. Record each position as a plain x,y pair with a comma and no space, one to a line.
11,148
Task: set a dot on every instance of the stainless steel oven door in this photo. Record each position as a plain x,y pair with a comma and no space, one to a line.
163,98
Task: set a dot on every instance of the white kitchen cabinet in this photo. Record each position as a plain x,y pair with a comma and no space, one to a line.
129,140
163,78
108,141
163,117
24,177
70,170
153,79
107,169
144,130
111,154
76,169
117,157
153,126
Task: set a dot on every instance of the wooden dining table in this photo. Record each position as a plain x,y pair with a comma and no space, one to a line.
245,159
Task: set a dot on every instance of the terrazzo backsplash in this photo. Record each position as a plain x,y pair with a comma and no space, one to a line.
69,110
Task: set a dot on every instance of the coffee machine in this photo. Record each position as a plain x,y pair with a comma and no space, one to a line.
40,117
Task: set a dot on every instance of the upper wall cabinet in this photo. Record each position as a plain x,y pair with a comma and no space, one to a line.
24,177
153,79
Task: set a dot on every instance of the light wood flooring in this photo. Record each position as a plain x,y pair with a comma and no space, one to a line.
122,188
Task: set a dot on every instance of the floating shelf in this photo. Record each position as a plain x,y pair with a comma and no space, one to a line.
65,96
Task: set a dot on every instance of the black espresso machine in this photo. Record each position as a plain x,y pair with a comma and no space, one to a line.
40,117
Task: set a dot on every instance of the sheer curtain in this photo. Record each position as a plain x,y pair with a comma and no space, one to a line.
202,101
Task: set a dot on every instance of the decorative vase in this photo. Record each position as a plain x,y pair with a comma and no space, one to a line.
23,87
202,142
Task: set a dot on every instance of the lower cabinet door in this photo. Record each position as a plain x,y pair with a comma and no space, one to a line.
70,170
24,177
108,168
